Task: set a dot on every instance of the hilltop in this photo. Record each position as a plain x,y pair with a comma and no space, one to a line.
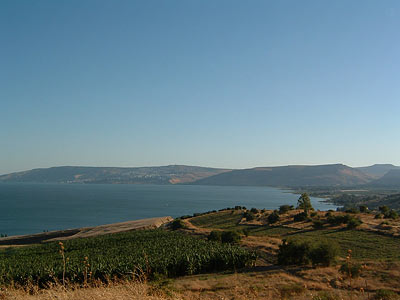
378,170
171,174
291,176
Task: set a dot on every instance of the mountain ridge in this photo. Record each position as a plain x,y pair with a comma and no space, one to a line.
170,174
291,176
280,176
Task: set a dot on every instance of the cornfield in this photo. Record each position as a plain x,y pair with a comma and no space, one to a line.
123,255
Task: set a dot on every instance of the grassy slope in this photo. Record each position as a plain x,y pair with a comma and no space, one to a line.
365,245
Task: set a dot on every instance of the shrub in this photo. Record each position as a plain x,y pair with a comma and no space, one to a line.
378,216
300,217
352,210
383,294
249,216
177,224
324,253
273,218
283,209
215,236
254,210
338,220
392,214
353,270
313,214
318,224
363,208
384,209
231,237
295,252
353,223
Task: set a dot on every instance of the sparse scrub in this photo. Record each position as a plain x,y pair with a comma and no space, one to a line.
289,290
325,295
383,294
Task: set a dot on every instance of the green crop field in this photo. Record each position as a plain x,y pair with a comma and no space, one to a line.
364,245
221,220
229,220
120,255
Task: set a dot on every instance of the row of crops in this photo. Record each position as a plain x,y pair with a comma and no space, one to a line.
119,255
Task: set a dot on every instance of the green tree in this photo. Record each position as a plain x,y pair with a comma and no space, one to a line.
304,203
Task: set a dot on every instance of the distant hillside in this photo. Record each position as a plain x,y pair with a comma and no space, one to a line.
291,176
378,170
155,175
390,179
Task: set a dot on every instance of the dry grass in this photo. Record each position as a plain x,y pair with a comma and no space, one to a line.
114,291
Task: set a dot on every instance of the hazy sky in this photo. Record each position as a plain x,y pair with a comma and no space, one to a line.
216,83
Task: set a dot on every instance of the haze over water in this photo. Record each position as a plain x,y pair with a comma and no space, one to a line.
32,208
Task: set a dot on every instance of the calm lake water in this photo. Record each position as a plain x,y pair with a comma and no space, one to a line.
31,208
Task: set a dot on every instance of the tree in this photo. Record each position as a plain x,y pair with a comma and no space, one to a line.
304,203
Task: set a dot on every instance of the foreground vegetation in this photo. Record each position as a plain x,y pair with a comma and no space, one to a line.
289,253
130,254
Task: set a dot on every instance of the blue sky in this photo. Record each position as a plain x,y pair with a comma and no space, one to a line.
215,83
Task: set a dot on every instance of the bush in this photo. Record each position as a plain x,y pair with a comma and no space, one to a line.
354,270
392,214
295,252
352,210
383,294
283,209
324,253
338,220
384,209
249,216
231,237
363,208
215,236
318,224
353,223
273,218
313,214
300,217
254,210
378,216
177,224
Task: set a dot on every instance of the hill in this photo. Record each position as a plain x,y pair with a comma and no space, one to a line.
291,176
156,175
390,179
378,170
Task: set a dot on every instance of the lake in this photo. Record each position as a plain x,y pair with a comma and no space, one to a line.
31,208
